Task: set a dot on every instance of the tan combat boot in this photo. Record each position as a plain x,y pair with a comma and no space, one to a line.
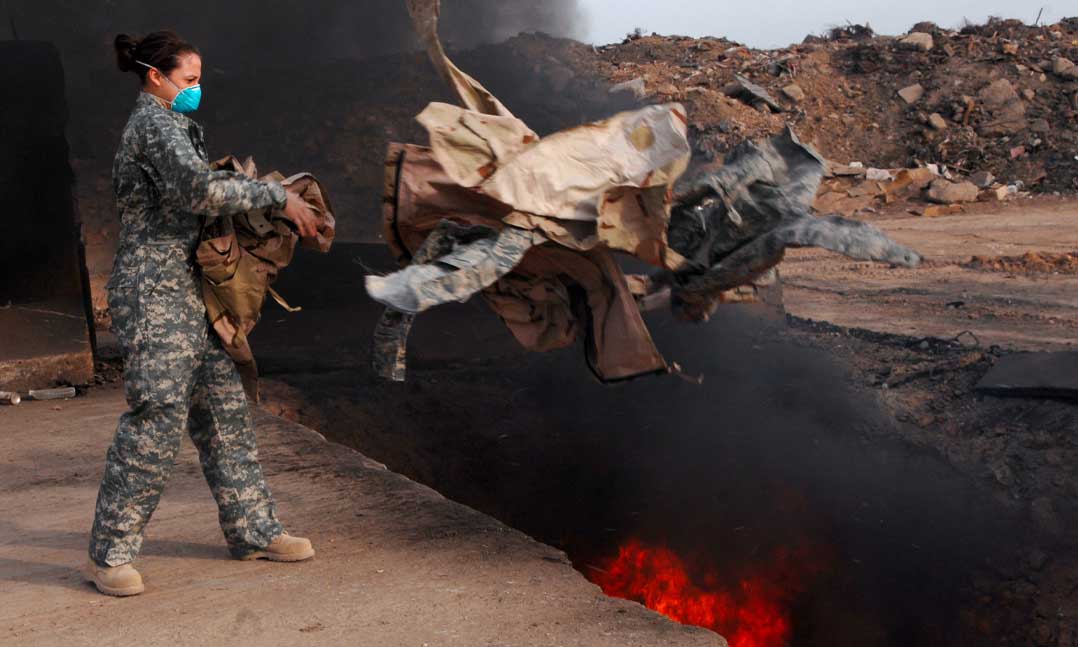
284,548
120,581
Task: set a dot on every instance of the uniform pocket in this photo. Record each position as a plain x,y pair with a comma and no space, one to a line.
124,309
149,278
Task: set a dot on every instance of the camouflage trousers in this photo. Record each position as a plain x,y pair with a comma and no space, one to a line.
177,376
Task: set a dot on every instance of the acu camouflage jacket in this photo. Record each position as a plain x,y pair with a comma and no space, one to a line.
165,188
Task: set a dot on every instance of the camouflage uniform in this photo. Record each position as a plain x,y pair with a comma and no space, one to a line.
454,263
176,371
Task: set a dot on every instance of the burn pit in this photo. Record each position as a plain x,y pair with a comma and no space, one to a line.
753,612
777,492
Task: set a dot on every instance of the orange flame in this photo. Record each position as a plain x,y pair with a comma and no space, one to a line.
753,613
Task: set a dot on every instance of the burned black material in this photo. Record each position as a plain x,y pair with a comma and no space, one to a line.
1034,375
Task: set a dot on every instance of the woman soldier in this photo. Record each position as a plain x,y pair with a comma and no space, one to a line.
176,372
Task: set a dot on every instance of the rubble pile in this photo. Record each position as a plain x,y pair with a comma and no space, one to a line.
936,114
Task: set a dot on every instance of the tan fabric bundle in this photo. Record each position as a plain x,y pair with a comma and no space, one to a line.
240,257
534,300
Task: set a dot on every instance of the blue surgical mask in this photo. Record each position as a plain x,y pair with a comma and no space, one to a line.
187,99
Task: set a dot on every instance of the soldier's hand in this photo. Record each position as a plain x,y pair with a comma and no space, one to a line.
300,213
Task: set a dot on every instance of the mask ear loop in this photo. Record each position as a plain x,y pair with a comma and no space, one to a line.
147,65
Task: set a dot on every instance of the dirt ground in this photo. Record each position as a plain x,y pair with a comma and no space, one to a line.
397,564
1016,305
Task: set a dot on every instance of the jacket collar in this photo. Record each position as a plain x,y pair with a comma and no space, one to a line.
147,101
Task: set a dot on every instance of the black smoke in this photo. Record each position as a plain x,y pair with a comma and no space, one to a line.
320,85
251,33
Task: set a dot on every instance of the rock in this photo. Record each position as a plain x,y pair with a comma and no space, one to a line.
668,90
1010,48
842,203
937,210
1029,95
1064,68
998,194
751,94
917,40
937,121
636,86
997,93
835,169
794,92
946,192
1006,111
878,175
912,94
982,179
908,183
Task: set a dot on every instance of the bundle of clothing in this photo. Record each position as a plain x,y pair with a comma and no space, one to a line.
533,223
241,256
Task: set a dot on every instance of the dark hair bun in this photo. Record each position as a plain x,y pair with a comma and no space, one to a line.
125,52
159,49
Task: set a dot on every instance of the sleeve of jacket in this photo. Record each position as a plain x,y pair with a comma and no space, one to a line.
187,183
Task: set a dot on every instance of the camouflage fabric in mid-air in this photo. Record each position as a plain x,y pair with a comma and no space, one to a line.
177,374
558,207
735,224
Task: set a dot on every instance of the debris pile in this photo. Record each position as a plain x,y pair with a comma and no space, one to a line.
998,99
851,189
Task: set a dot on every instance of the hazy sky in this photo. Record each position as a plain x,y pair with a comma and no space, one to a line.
777,23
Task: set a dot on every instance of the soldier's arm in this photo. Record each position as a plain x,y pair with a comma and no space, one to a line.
187,183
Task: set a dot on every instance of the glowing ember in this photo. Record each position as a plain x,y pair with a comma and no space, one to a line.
752,613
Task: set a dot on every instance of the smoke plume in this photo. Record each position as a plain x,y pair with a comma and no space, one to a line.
281,32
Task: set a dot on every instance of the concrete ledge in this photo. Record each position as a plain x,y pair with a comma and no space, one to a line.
397,563
43,345
46,371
